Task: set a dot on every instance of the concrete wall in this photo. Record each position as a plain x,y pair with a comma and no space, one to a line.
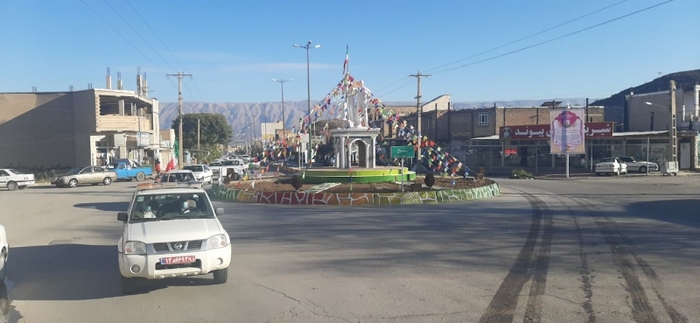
640,113
37,129
85,118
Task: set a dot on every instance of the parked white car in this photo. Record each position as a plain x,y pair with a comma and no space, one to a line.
201,172
172,230
610,165
13,179
4,252
636,165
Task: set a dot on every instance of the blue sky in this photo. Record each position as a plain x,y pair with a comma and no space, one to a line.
234,48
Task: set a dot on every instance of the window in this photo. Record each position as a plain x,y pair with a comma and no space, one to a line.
4,173
483,118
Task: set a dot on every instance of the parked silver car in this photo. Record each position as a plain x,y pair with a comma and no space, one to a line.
636,165
85,175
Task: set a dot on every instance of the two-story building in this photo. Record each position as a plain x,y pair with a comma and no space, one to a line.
87,127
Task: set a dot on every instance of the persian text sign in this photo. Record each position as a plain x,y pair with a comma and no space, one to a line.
567,131
543,131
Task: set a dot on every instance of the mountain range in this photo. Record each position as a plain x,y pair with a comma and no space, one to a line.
245,118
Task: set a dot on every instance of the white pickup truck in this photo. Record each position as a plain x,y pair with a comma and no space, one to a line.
219,167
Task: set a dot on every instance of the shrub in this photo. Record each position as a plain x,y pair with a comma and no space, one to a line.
429,180
521,173
296,182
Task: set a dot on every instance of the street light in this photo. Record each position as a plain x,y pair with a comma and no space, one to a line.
281,82
308,77
672,131
308,85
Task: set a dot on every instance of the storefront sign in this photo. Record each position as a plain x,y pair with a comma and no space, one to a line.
543,131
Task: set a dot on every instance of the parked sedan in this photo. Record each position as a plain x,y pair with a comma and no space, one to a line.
4,252
636,165
85,175
14,179
610,165
201,172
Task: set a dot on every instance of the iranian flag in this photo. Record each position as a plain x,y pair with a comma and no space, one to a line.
347,59
172,164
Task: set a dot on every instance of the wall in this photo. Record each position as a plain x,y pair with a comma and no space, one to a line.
36,129
84,124
640,112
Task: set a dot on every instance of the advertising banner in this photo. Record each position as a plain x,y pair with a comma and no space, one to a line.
568,131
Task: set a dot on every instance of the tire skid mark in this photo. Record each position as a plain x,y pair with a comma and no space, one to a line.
502,306
586,278
642,311
656,284
533,311
650,273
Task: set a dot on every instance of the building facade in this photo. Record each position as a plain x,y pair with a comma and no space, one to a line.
88,127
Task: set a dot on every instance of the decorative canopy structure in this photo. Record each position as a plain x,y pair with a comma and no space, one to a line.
351,101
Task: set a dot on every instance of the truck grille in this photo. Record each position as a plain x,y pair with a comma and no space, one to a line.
171,246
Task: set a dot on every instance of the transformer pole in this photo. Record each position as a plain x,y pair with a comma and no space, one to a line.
179,76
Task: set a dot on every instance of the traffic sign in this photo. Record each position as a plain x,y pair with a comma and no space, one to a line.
402,152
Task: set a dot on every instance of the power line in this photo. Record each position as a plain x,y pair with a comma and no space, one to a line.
122,36
166,47
530,36
553,39
137,33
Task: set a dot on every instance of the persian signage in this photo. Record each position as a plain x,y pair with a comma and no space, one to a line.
543,131
567,131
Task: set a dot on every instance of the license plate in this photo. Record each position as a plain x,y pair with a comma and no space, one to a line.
178,260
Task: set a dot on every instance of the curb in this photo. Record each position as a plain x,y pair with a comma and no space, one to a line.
308,198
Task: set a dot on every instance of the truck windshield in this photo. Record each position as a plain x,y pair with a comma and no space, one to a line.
180,206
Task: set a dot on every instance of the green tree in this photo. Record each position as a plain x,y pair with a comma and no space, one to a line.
214,131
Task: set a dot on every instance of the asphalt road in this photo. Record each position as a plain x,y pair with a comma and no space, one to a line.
582,250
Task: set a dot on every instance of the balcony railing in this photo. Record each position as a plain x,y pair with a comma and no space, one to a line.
124,123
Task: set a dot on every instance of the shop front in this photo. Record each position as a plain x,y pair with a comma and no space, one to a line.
528,147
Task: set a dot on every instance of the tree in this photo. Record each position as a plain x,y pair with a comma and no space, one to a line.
214,131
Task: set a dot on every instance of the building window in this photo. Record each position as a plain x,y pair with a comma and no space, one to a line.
483,118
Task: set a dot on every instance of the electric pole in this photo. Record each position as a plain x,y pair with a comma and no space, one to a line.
673,132
179,76
199,132
419,112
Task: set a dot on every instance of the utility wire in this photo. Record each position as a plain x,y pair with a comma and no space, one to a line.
553,39
167,48
122,36
530,36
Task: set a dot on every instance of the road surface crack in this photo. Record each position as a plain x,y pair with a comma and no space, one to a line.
307,305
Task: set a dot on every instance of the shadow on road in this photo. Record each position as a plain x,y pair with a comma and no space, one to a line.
683,212
75,272
105,206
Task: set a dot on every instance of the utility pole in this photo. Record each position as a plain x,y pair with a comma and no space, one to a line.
419,112
179,76
199,129
674,134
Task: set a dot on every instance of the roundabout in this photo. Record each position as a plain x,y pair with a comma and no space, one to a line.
280,191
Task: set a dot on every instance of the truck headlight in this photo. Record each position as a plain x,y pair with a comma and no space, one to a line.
134,248
217,241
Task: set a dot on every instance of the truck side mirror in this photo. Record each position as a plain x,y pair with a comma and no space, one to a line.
122,216
220,211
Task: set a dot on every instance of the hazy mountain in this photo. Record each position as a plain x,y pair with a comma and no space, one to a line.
683,80
244,116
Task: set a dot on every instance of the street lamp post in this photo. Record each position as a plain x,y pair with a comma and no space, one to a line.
308,87
281,82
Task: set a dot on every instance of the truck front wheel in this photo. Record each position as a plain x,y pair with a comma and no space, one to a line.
140,176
